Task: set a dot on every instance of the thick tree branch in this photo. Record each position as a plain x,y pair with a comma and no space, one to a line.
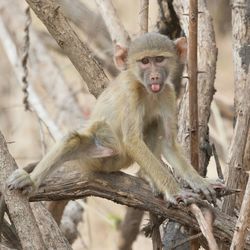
51,15
131,191
19,209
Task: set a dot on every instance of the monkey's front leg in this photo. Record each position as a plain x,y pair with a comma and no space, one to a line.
160,175
175,157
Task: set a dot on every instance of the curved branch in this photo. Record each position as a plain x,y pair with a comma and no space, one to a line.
131,191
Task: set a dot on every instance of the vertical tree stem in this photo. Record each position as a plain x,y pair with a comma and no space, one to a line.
193,92
192,73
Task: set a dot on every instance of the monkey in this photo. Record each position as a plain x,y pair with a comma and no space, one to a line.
134,120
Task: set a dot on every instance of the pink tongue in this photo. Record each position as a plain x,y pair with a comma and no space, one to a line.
155,87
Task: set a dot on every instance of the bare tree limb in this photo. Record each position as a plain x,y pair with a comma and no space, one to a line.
235,174
77,51
243,221
116,30
19,209
131,191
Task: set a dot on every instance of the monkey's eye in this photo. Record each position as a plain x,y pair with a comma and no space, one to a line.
159,59
145,60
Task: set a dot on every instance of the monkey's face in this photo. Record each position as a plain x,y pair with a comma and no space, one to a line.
153,73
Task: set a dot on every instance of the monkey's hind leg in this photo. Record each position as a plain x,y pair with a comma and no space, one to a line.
85,144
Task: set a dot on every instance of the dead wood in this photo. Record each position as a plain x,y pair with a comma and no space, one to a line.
238,144
243,221
78,52
20,212
235,174
131,191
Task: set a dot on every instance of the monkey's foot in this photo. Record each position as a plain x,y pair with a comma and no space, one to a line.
185,197
205,187
20,180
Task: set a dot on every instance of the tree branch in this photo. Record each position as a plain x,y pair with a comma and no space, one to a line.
243,221
20,211
127,190
116,30
51,15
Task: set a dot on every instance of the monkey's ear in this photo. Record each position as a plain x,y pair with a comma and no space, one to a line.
120,57
181,46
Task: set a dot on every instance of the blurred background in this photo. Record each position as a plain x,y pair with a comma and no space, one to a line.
28,138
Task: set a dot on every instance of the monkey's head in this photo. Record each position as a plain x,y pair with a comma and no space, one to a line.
155,61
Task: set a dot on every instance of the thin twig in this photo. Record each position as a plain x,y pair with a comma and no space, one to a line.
24,59
217,161
192,74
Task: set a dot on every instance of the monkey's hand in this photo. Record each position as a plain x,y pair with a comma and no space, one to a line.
20,180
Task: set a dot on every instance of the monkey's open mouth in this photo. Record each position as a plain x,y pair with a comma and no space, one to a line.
155,87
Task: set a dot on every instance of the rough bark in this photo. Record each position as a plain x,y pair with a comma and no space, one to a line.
20,212
52,235
78,52
131,191
192,84
243,222
237,148
235,175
